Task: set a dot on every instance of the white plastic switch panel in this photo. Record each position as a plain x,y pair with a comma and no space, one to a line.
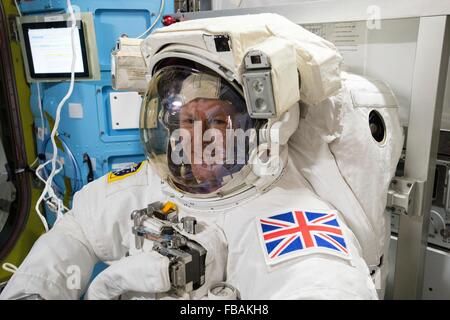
40,133
75,110
125,107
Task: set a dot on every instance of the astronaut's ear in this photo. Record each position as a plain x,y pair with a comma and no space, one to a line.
377,126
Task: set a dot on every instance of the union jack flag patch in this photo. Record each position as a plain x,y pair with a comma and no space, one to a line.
296,233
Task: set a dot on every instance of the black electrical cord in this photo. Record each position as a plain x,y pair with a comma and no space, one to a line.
87,159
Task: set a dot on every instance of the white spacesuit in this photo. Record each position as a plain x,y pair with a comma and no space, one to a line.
293,210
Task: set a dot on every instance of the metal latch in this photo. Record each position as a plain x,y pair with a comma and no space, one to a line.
159,223
164,213
405,196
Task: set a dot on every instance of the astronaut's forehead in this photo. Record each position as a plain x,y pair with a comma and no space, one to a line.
207,106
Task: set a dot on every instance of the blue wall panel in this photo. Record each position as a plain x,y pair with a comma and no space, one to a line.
93,133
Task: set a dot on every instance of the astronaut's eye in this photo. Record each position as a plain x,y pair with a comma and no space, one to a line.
377,127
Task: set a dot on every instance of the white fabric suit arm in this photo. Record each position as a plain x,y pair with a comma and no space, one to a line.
59,265
326,278
146,272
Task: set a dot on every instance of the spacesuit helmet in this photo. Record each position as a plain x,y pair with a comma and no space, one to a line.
196,129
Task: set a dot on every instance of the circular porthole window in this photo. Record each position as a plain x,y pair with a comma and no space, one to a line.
377,126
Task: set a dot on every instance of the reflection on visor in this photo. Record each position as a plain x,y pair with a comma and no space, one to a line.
196,129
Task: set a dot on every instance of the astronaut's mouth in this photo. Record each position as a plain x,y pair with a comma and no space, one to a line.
207,166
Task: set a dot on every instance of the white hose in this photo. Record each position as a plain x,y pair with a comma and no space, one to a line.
34,162
52,194
48,184
161,9
50,191
9,267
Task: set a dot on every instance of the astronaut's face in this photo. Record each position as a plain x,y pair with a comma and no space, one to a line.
196,129
207,121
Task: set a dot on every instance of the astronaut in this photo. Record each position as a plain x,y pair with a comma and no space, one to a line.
249,126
